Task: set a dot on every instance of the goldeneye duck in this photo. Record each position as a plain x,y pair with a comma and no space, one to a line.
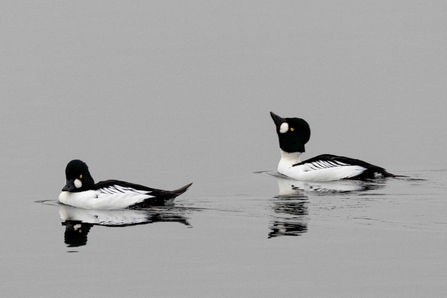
293,134
81,191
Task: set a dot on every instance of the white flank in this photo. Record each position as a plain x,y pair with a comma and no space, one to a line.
316,171
111,198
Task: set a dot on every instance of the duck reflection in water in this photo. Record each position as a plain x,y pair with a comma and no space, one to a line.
78,222
291,204
291,211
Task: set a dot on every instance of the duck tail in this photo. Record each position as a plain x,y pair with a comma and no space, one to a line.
177,192
386,174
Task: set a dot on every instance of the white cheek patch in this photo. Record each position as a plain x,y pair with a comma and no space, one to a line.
284,127
78,183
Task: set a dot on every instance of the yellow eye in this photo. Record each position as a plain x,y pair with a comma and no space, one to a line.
80,176
292,129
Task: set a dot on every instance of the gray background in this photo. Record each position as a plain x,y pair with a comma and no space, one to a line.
164,93
186,86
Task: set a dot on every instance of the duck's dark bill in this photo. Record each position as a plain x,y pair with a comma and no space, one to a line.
69,186
277,119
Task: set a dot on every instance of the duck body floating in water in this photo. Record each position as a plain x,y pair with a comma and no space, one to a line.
293,134
81,191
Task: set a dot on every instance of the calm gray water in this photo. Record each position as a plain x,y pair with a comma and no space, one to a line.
165,93
260,236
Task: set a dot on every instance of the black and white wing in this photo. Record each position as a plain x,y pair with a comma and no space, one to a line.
343,167
134,195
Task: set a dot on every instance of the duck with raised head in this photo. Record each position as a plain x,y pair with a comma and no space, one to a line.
293,134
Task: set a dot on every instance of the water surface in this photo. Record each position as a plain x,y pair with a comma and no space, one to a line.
270,236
